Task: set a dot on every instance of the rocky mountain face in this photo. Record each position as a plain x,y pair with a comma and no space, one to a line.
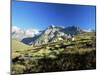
53,34
72,30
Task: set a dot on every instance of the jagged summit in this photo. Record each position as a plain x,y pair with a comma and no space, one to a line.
52,26
53,34
72,30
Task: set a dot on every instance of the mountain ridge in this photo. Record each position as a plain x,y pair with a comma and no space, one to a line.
53,34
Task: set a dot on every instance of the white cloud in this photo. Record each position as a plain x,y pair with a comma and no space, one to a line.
20,33
31,32
17,30
88,30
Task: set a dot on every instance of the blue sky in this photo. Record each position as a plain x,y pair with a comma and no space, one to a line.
41,15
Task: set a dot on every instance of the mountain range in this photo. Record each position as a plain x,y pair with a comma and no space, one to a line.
49,35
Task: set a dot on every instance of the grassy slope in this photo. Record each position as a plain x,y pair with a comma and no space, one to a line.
18,47
83,48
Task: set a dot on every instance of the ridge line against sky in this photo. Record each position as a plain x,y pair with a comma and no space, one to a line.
39,15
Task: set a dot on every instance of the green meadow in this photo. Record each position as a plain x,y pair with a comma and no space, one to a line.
66,55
